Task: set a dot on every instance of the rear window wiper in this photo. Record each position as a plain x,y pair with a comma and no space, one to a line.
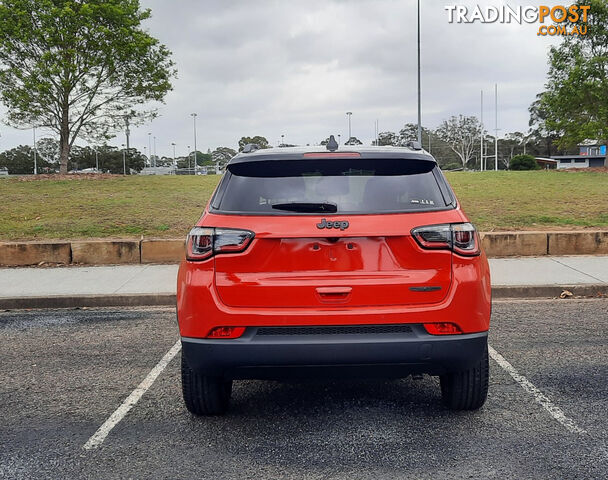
307,207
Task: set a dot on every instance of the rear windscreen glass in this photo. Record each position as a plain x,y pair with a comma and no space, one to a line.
332,186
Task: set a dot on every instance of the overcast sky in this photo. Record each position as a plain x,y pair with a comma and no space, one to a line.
294,67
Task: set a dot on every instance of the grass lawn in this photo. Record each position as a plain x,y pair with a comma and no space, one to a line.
537,200
167,206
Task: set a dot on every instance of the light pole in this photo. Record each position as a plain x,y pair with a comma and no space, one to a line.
155,156
481,136
189,160
338,139
496,125
348,114
150,147
35,161
419,106
127,131
174,164
193,115
376,132
124,160
282,140
96,161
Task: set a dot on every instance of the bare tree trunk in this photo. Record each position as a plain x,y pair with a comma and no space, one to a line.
64,141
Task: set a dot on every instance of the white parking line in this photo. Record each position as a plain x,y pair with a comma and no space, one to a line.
103,431
539,396
100,435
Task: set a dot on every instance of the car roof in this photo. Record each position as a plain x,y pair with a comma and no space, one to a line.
297,153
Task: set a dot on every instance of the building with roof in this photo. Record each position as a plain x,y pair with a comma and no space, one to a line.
591,154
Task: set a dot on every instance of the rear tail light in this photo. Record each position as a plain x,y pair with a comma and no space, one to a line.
204,242
443,328
461,238
226,332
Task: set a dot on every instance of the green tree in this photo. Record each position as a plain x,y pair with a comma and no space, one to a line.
20,161
258,140
81,158
462,135
79,68
387,138
524,162
576,97
539,131
409,133
110,159
202,159
164,162
184,162
48,148
353,141
222,155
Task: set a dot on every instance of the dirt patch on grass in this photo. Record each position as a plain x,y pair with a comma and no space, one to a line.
70,176
588,169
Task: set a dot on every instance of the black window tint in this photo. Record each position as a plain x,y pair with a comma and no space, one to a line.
353,185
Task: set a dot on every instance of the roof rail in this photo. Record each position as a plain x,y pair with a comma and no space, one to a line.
251,147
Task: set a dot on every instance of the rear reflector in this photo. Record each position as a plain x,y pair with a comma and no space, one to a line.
226,332
444,328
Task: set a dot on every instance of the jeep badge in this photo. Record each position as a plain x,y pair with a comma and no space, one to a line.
341,224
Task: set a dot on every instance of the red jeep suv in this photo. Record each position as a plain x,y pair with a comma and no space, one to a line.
319,261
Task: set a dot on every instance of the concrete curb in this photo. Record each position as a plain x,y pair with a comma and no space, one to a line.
158,250
168,299
548,291
33,253
106,252
171,250
75,301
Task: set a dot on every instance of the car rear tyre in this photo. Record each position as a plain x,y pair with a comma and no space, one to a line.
467,389
204,395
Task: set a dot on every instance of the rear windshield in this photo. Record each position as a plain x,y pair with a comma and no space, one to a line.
331,186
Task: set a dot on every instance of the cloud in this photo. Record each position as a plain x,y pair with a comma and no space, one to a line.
272,68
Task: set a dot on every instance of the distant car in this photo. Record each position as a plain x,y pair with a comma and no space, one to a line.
315,262
3,172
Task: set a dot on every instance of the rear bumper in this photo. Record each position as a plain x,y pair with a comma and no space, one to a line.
362,355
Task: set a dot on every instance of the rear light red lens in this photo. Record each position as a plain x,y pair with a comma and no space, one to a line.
204,242
199,244
226,332
461,238
465,239
332,155
444,328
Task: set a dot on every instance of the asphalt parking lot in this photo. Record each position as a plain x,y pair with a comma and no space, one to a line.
64,372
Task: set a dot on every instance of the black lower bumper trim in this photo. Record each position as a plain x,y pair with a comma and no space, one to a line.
253,356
